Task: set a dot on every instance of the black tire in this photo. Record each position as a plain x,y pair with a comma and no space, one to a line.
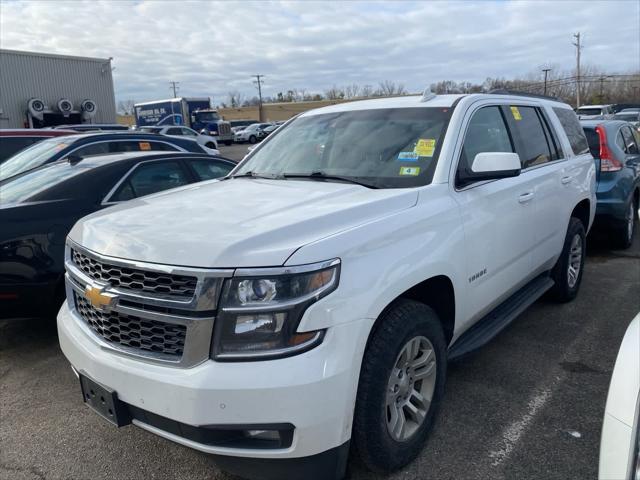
373,443
253,139
228,142
566,286
622,237
211,145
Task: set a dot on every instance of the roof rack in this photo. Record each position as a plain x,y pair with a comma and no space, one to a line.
504,91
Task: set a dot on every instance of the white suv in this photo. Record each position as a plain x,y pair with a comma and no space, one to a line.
313,297
207,141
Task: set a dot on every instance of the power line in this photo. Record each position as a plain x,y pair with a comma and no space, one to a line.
175,88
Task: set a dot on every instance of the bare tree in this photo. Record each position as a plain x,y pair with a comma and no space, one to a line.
367,91
387,88
352,91
334,93
125,107
235,98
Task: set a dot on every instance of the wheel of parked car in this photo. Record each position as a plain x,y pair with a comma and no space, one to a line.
210,145
253,139
401,384
623,236
567,273
228,142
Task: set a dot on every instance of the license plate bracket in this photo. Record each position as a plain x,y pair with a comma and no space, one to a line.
104,402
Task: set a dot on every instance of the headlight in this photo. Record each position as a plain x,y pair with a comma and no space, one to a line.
261,310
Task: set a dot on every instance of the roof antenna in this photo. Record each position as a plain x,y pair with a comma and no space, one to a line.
427,95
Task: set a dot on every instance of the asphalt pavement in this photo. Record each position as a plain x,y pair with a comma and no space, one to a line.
527,406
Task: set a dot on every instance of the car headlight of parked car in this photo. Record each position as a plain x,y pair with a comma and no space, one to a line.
262,308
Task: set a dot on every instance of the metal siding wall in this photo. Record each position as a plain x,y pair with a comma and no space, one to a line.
27,75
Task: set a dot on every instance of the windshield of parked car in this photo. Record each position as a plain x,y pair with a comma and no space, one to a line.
385,148
33,156
30,184
627,117
150,129
208,116
589,111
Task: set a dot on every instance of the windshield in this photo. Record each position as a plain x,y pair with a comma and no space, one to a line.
386,148
32,183
627,117
33,156
589,111
208,116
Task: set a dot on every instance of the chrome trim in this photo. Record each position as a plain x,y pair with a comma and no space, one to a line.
272,354
291,270
199,332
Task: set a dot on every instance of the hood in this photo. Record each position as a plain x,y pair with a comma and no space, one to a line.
234,223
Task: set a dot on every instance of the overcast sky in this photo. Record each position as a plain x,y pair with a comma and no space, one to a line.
213,48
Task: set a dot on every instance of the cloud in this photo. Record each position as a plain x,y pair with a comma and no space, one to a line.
212,48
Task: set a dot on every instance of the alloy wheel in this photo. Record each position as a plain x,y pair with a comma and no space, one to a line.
575,260
410,388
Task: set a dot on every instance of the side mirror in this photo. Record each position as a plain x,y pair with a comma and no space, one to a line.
492,166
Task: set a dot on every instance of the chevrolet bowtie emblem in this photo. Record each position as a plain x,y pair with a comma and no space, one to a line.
98,298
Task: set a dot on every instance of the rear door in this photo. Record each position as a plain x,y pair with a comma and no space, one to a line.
544,167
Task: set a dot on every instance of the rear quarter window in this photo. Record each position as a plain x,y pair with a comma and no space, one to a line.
573,130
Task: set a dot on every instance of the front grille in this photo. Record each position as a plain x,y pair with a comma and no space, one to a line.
132,331
224,128
136,279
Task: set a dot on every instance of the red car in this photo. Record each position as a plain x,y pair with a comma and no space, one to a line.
15,139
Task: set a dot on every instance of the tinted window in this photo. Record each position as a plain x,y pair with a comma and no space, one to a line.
189,132
590,111
208,169
100,148
174,131
150,178
620,142
594,141
572,129
487,132
629,141
533,140
11,145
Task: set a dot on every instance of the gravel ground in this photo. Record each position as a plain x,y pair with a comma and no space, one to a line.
527,406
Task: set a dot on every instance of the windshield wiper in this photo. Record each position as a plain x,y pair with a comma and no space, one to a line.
251,174
320,175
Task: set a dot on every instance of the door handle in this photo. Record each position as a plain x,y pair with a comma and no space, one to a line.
566,180
525,197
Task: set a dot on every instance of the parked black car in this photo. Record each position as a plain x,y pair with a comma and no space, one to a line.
39,207
86,144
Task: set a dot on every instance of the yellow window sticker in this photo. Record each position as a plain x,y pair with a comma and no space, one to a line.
425,147
413,171
144,145
516,113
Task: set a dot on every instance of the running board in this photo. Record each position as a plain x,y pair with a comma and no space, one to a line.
500,317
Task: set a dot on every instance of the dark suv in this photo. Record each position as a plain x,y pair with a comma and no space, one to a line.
83,145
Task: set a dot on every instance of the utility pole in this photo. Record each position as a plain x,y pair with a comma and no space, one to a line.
258,82
175,88
578,48
546,71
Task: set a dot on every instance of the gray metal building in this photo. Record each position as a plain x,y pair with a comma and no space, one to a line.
41,89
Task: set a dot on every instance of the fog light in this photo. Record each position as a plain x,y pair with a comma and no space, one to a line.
269,435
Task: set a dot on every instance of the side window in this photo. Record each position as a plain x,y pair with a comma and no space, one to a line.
163,147
531,135
174,131
620,142
487,132
208,169
188,132
100,148
573,130
630,142
122,146
150,178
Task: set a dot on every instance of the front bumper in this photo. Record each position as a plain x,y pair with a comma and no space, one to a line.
314,391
